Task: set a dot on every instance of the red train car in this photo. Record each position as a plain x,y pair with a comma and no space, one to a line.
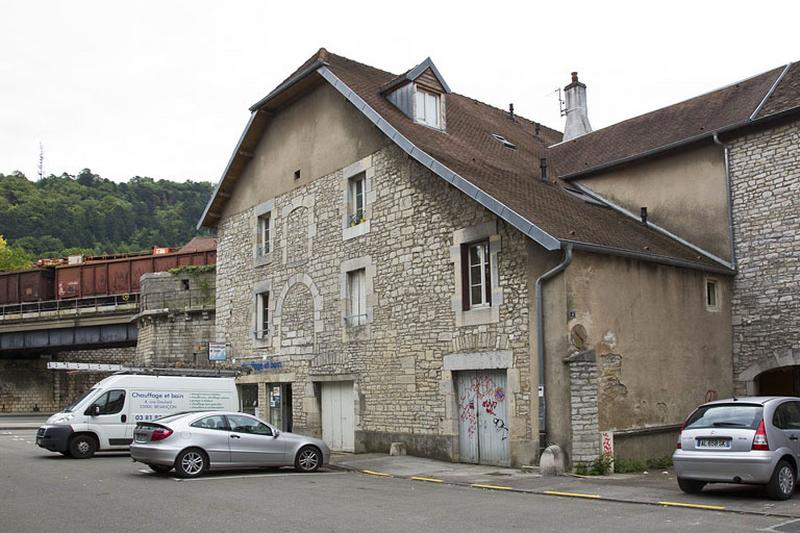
26,286
121,276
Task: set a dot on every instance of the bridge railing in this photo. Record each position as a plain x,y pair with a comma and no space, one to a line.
68,306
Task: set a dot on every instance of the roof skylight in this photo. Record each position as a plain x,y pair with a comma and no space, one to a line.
505,142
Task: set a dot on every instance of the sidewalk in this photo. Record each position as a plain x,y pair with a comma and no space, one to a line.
22,421
653,488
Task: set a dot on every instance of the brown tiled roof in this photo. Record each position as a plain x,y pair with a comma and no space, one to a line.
511,176
681,123
200,244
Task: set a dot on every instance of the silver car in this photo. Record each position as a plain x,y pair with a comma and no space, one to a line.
193,443
742,440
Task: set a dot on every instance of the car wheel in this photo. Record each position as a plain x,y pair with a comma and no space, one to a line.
82,446
191,463
308,459
691,486
781,485
161,469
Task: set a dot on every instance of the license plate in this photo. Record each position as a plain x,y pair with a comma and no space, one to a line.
714,443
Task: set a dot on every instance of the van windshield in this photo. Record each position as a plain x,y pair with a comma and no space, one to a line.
79,400
726,416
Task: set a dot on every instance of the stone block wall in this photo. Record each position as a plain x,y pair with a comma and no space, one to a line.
583,404
27,386
177,319
395,359
765,184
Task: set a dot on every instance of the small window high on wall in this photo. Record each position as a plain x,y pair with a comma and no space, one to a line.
356,298
427,108
264,237
262,315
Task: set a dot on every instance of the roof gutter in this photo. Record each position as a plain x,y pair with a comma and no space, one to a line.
726,157
608,250
565,261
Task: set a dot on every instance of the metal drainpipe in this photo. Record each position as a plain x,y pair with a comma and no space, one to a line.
540,330
726,156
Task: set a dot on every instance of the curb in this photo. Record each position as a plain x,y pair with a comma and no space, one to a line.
560,494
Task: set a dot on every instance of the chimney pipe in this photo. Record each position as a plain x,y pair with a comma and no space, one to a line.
511,110
643,214
543,168
577,123
536,128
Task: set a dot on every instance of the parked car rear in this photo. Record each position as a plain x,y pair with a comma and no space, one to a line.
195,442
750,440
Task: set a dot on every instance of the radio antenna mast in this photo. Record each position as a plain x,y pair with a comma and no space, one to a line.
41,160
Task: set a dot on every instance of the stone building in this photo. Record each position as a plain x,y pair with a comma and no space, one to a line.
720,172
399,263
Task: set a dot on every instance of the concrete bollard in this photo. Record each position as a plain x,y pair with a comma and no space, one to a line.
397,448
551,462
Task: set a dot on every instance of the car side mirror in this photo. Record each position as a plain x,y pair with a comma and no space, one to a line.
94,410
275,433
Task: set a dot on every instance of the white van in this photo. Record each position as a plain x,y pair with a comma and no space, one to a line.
103,418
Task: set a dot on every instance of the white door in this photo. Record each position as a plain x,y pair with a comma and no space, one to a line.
482,417
338,412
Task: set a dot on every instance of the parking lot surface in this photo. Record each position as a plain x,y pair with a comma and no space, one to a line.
42,491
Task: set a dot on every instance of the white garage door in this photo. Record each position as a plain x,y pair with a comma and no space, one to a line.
338,412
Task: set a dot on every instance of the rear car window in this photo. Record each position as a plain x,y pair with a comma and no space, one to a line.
726,416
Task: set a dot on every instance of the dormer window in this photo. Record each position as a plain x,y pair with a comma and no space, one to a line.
427,108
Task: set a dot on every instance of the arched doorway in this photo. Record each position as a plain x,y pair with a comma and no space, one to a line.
781,381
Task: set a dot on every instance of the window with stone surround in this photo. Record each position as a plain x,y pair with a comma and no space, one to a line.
477,295
477,274
264,235
262,315
357,199
263,240
356,298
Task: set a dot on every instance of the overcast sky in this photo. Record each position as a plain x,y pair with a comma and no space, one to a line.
161,89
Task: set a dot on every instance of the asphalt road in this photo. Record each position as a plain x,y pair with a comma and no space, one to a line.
42,491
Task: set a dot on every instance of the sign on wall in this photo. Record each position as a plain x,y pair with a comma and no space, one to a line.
216,351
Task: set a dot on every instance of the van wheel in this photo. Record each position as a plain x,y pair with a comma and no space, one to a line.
781,485
691,486
191,463
308,459
82,446
160,469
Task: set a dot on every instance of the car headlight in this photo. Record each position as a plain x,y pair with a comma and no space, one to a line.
64,419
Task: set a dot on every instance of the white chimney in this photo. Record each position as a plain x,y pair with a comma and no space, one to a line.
577,115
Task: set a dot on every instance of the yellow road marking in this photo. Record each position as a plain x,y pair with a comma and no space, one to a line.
694,505
573,494
496,487
371,473
432,480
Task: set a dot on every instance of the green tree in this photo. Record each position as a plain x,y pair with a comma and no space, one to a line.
12,258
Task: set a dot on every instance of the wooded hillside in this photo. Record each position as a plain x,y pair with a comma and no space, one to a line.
62,215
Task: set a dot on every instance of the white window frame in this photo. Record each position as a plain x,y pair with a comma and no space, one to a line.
357,208
356,297
424,100
465,315
264,229
261,306
482,281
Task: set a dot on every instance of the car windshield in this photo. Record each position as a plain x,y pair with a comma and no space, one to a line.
79,400
725,416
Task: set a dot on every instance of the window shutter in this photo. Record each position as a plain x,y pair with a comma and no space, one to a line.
465,277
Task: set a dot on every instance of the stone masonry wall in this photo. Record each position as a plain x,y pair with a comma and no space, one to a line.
765,182
27,386
583,404
177,319
396,358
